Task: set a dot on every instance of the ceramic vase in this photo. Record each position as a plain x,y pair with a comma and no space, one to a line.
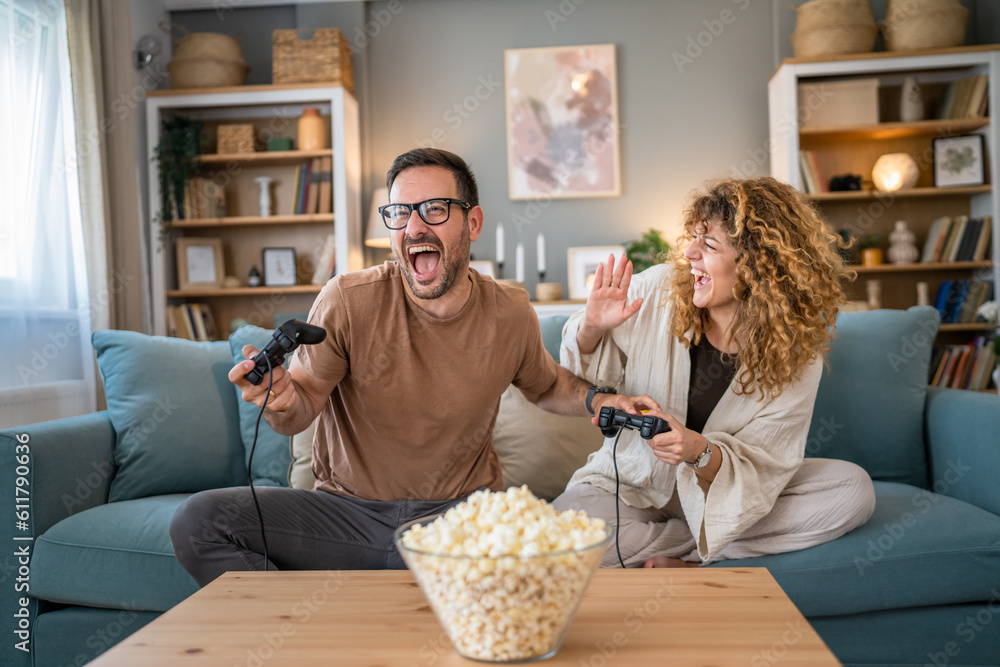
312,130
902,247
265,195
874,289
911,101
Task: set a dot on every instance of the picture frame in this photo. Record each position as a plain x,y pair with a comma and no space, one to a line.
199,263
562,122
959,161
279,267
582,262
484,267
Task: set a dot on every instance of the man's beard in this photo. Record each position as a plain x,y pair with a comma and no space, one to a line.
455,265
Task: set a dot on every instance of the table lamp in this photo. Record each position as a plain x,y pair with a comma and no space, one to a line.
377,234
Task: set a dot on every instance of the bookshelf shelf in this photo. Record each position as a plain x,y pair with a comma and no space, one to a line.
245,220
912,193
968,326
925,266
922,128
264,157
242,291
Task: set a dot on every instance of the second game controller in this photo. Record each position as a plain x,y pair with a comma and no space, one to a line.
612,420
286,338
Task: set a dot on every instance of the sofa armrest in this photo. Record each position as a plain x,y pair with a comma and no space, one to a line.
69,468
963,430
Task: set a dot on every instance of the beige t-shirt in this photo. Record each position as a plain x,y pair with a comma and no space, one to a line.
412,414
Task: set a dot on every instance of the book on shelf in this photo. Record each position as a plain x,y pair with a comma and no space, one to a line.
295,191
958,239
958,300
326,262
312,197
204,198
325,204
193,321
965,98
968,366
812,175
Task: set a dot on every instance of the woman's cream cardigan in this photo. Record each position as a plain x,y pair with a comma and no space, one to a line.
762,442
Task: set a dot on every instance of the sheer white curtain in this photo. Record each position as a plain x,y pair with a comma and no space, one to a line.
45,324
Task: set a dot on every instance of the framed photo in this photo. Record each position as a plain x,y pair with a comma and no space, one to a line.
562,122
279,267
959,161
485,268
199,263
582,264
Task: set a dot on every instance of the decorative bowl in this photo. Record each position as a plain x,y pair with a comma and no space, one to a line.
504,608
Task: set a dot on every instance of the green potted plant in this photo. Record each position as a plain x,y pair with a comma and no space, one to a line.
650,249
176,157
871,253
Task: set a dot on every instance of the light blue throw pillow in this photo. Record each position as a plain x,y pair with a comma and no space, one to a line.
170,402
870,406
273,457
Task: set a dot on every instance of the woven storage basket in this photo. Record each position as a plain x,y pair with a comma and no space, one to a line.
324,58
833,27
924,24
205,59
236,139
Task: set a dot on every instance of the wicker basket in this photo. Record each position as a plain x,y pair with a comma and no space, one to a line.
924,24
833,27
236,139
205,59
326,57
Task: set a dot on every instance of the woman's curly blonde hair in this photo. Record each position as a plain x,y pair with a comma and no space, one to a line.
787,287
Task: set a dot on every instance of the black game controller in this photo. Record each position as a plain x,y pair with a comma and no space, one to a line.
612,420
286,338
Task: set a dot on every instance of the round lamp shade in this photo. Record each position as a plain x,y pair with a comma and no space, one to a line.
895,171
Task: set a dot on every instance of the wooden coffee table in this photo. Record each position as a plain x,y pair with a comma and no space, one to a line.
697,616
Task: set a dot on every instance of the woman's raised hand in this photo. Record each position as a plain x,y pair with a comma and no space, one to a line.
607,305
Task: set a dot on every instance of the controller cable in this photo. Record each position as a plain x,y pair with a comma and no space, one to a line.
614,459
256,430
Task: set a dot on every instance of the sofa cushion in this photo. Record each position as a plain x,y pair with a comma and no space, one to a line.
919,549
271,459
539,448
870,406
116,555
172,407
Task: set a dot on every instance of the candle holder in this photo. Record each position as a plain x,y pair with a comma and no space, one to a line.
548,292
499,270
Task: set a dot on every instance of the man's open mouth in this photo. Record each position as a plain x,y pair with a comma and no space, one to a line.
424,259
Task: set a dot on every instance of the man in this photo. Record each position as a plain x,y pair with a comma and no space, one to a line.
407,386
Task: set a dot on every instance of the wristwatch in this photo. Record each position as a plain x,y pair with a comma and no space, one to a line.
703,458
597,390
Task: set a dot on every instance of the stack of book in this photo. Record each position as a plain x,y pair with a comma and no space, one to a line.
193,321
812,177
314,187
204,198
965,98
958,300
958,238
963,366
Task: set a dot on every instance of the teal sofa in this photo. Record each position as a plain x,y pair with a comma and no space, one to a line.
88,560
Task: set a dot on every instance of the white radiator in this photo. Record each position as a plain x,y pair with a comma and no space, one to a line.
56,400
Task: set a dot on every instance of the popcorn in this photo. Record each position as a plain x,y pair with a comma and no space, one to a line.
505,571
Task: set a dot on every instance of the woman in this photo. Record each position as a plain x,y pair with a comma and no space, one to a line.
730,339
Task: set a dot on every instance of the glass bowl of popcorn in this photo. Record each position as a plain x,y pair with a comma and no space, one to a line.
504,572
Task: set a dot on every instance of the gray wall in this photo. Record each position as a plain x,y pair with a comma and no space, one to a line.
682,122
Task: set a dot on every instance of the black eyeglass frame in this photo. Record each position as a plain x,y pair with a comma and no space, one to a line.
385,217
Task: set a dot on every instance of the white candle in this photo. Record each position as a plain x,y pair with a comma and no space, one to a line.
499,243
541,253
519,263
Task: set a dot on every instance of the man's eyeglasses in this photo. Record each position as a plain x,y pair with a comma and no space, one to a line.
431,211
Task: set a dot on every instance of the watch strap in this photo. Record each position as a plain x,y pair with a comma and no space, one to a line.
703,458
593,391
